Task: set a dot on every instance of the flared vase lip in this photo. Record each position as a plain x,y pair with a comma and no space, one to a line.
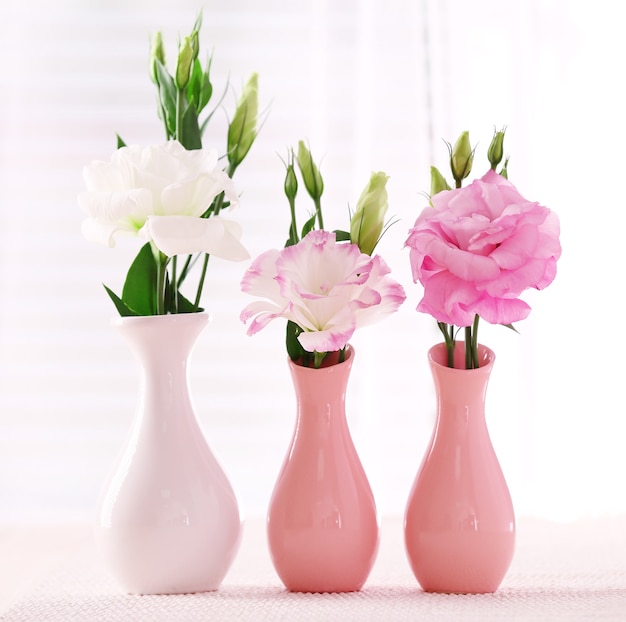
350,352
438,356
169,318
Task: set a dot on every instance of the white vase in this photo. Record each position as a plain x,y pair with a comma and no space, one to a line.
168,519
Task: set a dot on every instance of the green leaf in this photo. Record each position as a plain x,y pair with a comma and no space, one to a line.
342,236
139,291
167,97
309,225
206,90
183,305
199,89
186,306
120,143
193,88
122,309
192,138
294,348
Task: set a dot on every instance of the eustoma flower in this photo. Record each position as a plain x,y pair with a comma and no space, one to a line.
328,289
478,248
161,193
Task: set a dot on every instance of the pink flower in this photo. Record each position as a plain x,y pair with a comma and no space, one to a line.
329,289
478,248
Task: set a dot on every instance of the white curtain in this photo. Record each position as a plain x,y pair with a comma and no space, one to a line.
370,85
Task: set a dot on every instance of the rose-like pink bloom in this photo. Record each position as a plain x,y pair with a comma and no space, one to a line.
478,248
329,289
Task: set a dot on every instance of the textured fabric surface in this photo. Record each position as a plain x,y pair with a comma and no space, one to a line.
559,572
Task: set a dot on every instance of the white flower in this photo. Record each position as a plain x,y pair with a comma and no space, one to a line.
160,193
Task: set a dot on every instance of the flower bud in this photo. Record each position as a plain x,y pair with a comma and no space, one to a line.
291,182
242,130
496,149
437,181
461,158
157,54
185,62
367,223
313,181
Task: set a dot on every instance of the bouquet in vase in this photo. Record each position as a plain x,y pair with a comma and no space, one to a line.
476,249
326,284
172,194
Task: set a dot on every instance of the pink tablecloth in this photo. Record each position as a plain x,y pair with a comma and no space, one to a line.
560,572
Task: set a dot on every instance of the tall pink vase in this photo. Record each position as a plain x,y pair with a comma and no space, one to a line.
322,522
168,520
459,522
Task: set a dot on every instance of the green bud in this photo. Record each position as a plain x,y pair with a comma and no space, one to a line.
313,181
291,182
242,130
461,158
368,221
157,53
496,149
185,62
437,181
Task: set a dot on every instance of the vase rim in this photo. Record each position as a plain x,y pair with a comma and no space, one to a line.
437,356
350,352
172,318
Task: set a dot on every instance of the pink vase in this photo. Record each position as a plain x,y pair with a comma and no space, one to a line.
322,522
459,522
168,520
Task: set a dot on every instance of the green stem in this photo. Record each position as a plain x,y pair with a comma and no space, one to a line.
318,211
475,341
469,363
205,264
186,268
448,336
174,286
294,227
160,284
179,117
318,358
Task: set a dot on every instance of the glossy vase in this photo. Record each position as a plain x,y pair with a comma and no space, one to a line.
459,522
322,522
168,519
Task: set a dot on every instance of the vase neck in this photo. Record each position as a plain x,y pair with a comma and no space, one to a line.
321,393
162,346
159,337
460,392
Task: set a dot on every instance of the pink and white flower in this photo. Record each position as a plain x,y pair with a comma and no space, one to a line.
478,248
328,289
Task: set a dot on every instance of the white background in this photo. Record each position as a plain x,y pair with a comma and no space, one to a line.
370,85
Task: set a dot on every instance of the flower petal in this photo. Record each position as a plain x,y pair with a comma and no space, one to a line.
182,235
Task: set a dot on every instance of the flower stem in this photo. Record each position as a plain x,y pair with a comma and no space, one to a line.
174,286
318,211
318,358
471,345
469,362
475,341
205,264
185,271
179,117
448,336
294,227
161,264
